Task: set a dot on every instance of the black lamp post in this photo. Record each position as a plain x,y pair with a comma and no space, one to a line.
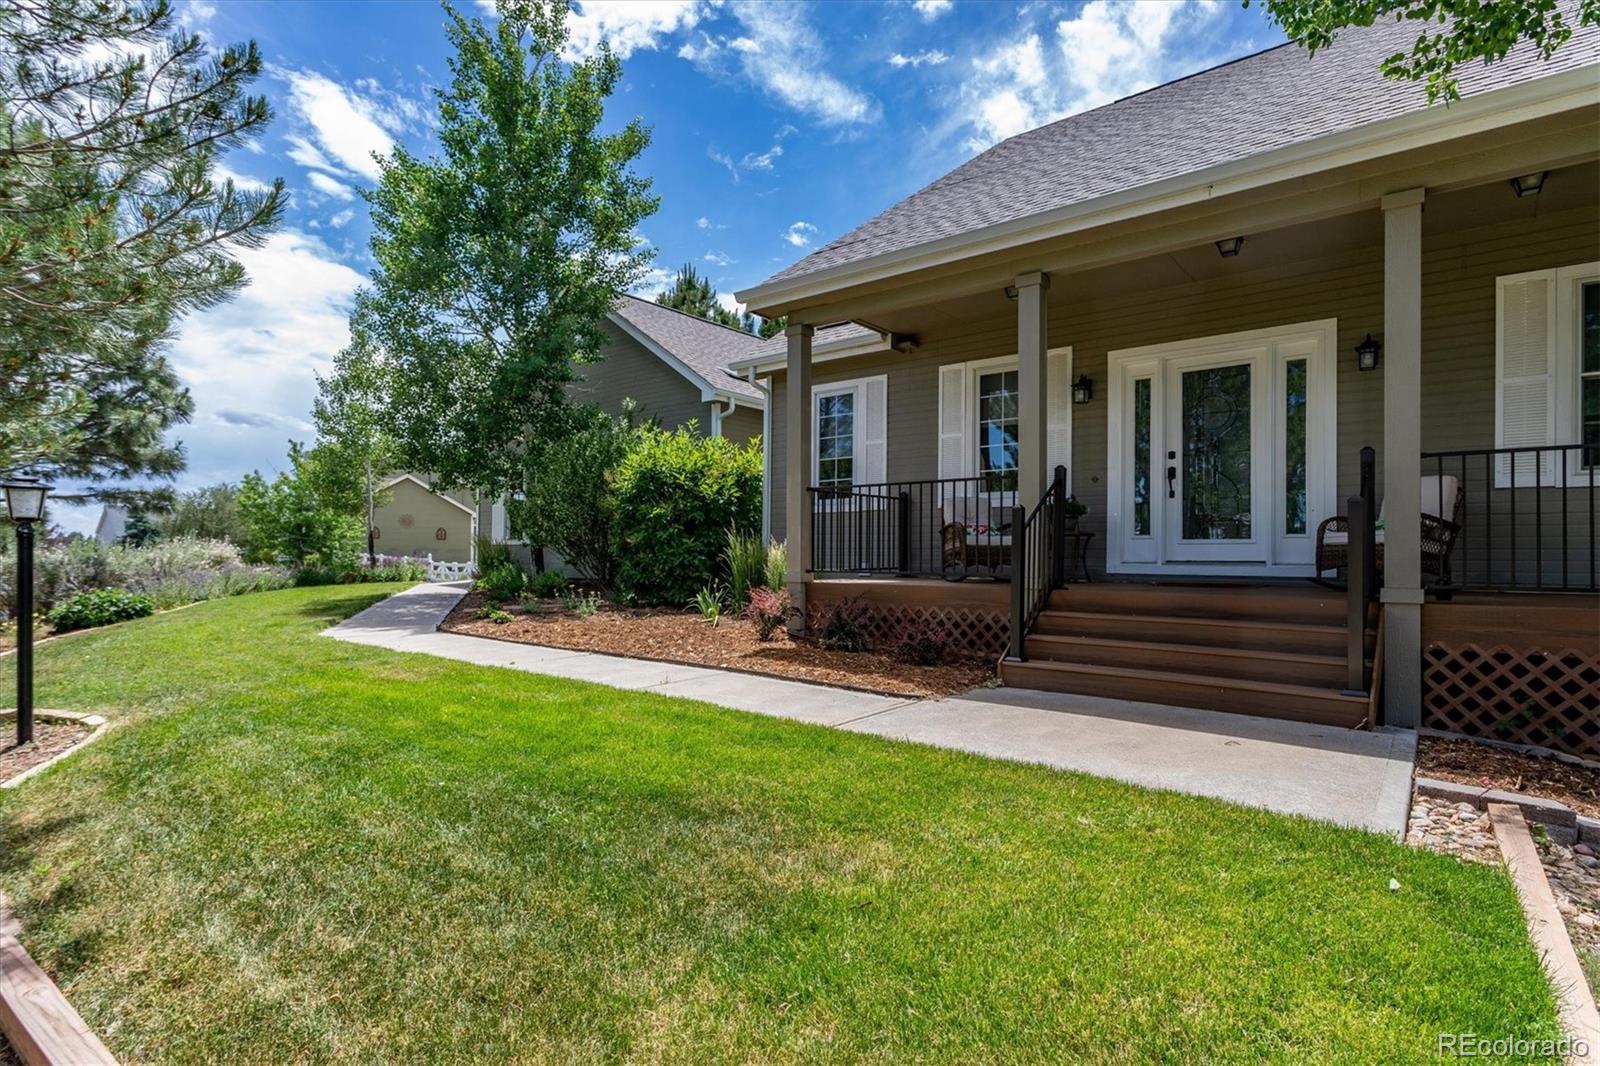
25,504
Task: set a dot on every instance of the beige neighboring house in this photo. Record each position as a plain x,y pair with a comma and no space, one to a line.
415,520
675,366
1201,303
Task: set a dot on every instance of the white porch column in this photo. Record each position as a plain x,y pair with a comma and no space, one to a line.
1402,457
797,467
1032,398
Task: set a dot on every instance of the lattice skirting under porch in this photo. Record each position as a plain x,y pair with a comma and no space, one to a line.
1526,696
978,633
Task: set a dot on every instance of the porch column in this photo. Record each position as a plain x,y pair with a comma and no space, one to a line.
797,468
1402,457
1032,398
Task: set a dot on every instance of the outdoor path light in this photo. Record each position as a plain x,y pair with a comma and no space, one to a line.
25,506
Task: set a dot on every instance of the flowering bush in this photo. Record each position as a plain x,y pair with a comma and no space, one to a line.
843,626
768,609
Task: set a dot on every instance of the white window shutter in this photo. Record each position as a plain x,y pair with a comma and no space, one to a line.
497,522
955,454
1058,412
1524,372
875,431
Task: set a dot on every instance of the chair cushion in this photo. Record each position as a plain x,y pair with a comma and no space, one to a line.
983,520
1435,489
1341,538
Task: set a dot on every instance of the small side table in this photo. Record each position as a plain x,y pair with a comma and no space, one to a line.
1078,555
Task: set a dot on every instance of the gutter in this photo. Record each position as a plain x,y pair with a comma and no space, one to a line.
1487,111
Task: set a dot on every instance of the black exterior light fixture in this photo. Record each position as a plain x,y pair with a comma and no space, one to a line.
1529,184
1011,293
25,506
1082,389
1229,247
1368,353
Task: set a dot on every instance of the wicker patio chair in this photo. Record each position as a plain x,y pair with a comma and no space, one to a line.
976,534
1438,533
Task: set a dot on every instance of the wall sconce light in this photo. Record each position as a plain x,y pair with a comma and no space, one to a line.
1368,353
1529,184
1082,389
1011,293
1229,247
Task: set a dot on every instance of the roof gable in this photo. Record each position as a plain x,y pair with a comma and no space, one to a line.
704,348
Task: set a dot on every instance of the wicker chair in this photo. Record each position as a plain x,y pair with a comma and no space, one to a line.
1438,533
976,534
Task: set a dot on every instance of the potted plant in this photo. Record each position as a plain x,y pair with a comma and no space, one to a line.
1073,509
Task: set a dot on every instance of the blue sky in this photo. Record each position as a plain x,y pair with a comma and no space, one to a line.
775,127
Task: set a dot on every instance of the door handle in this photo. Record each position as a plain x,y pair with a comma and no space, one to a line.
1172,476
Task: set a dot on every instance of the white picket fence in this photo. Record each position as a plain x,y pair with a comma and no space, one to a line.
438,569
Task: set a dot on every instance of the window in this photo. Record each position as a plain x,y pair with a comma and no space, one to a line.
1141,457
1589,373
1294,445
836,439
997,430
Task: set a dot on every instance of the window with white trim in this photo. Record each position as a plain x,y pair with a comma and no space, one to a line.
1547,375
978,408
997,430
848,423
836,439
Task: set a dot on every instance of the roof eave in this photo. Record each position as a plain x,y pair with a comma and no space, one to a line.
1416,129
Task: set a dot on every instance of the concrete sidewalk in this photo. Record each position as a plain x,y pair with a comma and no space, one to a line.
1360,779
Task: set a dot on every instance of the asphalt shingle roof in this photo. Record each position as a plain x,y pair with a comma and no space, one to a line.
1257,104
705,346
778,346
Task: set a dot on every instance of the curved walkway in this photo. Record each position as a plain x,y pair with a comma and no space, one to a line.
1360,779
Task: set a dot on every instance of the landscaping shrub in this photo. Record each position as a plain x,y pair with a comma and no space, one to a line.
678,494
708,601
100,607
777,565
504,583
747,566
843,626
315,575
395,570
924,644
548,584
497,615
571,504
768,609
491,554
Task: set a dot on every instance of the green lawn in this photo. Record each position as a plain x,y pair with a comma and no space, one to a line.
298,849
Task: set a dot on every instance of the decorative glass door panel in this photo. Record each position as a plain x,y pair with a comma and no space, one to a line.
1215,460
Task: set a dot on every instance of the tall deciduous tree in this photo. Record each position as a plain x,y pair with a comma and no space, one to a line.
498,259
112,226
1454,32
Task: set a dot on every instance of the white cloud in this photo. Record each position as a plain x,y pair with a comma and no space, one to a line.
330,186
784,57
340,128
723,159
1111,50
250,362
342,219
242,182
764,161
726,299
703,222
800,233
933,57
630,25
716,258
932,9
655,281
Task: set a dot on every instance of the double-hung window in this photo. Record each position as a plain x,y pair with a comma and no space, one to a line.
849,421
1547,376
836,438
997,430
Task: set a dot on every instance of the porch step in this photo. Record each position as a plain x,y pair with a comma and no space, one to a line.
1250,664
1241,633
1301,703
1269,603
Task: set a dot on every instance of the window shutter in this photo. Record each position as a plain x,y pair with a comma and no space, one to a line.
497,522
1524,371
1058,413
955,457
874,434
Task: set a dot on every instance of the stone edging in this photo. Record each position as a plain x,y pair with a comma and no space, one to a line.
43,1028
1564,825
97,729
1579,1017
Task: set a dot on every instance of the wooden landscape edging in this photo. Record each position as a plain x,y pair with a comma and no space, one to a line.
1548,930
43,1028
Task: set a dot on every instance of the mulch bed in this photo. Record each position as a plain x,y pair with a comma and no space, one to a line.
49,740
1469,763
682,637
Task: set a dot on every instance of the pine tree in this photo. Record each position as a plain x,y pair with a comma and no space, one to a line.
695,295
112,227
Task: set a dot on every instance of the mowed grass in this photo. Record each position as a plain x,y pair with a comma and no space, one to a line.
296,849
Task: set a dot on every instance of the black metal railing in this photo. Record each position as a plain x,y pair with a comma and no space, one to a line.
904,528
1512,519
1038,561
1361,587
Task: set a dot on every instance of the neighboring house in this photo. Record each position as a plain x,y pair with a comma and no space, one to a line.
415,520
674,365
1166,296
113,524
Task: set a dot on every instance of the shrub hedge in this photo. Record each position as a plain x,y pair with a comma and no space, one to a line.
99,607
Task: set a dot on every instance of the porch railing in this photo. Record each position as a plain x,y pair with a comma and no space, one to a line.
1361,587
898,527
1038,557
1527,518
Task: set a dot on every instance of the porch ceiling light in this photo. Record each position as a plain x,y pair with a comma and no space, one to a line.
1368,353
1229,247
1082,389
1529,184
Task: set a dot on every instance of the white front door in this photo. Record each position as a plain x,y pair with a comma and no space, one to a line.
1220,452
